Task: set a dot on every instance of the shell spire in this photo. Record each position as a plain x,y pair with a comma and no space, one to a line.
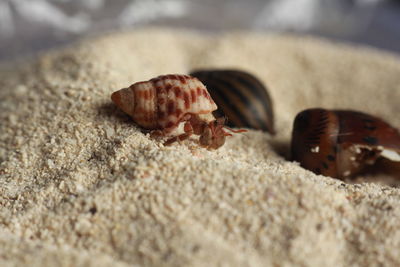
125,100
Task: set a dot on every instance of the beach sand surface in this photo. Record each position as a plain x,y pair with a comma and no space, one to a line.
83,185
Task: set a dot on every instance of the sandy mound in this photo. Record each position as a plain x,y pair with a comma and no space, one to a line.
81,184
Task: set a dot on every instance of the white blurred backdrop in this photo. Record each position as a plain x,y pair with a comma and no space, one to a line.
28,26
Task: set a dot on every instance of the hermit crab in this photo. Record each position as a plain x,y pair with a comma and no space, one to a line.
174,106
340,143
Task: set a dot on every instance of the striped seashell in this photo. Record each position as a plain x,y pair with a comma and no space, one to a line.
176,106
340,143
240,97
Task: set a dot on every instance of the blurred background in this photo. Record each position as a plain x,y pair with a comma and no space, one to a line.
29,26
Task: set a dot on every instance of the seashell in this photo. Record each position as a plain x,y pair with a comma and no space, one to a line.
240,97
174,106
340,143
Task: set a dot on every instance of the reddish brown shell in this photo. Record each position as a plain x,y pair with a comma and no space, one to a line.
162,102
340,143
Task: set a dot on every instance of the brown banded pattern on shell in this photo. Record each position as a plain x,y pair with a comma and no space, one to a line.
314,141
162,102
241,97
339,143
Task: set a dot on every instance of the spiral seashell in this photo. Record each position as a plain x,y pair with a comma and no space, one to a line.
240,97
340,143
175,106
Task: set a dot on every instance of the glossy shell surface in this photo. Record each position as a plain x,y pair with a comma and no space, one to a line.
339,143
241,97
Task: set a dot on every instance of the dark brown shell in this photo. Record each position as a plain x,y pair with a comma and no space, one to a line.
340,143
240,97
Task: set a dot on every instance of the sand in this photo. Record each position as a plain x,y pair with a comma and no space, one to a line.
82,185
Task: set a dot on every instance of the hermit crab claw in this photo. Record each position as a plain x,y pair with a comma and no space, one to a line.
213,135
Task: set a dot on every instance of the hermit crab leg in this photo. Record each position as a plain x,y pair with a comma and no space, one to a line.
188,132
